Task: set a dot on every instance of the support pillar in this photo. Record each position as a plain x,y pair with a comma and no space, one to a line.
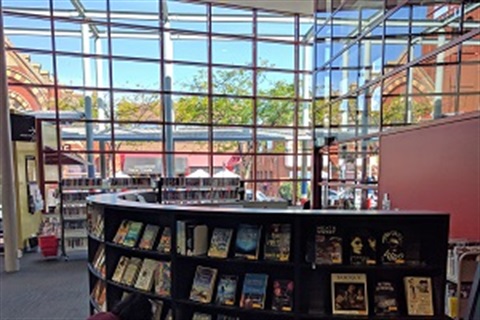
10,236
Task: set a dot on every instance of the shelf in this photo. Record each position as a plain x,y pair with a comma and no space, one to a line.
371,317
79,233
84,190
235,309
73,217
199,259
76,188
349,185
95,272
132,289
95,305
76,249
76,204
376,268
94,237
150,253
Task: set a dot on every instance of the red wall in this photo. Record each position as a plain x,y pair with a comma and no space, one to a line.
436,166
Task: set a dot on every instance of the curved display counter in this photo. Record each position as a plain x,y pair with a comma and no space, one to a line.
244,263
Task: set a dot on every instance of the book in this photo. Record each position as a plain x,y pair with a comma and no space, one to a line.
201,316
247,241
349,294
162,279
393,251
99,294
363,248
226,290
157,308
148,237
419,296
196,239
169,315
130,275
133,233
328,245
220,243
203,283
282,297
98,256
164,244
146,275
254,291
277,242
182,237
385,299
120,269
121,232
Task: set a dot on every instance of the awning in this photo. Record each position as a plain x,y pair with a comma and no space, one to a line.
51,158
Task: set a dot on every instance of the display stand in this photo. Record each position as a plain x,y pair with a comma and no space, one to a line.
463,257
312,282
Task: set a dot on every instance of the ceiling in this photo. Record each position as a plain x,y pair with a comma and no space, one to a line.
296,6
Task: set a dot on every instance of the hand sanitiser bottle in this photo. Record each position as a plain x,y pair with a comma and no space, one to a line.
385,202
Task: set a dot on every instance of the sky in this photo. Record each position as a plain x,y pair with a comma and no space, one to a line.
147,75
127,74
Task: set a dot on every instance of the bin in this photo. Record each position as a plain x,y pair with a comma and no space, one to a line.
48,245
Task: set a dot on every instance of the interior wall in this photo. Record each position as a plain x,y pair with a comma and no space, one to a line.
436,166
27,223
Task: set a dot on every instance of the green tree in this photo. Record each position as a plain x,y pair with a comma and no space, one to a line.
238,111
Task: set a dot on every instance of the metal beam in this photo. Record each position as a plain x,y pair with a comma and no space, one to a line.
82,13
176,36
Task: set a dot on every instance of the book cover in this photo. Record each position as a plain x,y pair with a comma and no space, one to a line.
164,244
282,297
197,239
120,269
201,316
220,243
277,242
133,233
226,290
328,245
162,279
247,241
393,251
419,296
349,294
146,275
385,299
148,237
99,259
130,274
182,237
363,248
121,232
203,283
157,306
254,291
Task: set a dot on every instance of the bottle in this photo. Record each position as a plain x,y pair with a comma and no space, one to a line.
385,202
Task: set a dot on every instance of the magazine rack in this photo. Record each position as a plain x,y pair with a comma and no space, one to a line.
425,246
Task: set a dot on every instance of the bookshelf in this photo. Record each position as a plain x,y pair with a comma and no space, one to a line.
192,190
424,256
73,206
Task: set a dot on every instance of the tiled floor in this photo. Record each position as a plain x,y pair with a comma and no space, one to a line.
44,289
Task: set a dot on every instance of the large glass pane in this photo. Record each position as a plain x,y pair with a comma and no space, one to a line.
232,111
190,108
